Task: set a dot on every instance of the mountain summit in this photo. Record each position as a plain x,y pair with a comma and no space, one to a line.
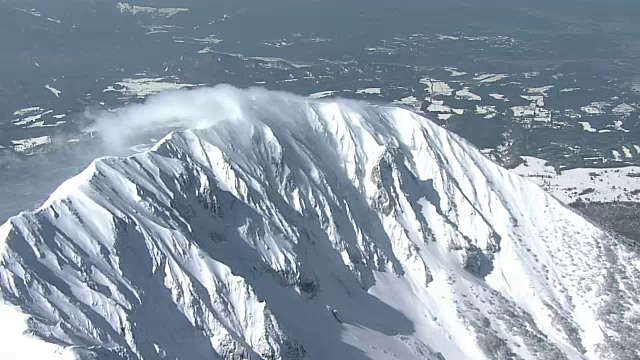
283,227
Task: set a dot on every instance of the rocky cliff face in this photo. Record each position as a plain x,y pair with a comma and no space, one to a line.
293,229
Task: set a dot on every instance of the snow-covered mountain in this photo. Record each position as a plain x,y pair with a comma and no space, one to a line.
291,228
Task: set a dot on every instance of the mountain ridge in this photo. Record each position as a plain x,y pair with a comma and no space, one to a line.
291,228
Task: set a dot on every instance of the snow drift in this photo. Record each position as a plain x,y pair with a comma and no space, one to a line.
280,227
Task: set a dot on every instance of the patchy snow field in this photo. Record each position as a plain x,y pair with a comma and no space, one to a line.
436,87
369,91
144,87
322,94
466,94
35,115
126,8
25,145
490,78
411,101
586,126
616,184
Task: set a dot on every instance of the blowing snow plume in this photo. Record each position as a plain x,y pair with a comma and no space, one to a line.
188,109
280,227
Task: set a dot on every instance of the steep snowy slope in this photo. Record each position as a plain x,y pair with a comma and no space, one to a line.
288,228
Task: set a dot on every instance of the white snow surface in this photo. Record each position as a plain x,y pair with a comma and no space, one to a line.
322,94
53,90
411,101
369,91
126,8
595,108
36,114
540,90
436,87
586,126
490,78
623,109
465,94
454,72
438,108
27,111
13,340
295,228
